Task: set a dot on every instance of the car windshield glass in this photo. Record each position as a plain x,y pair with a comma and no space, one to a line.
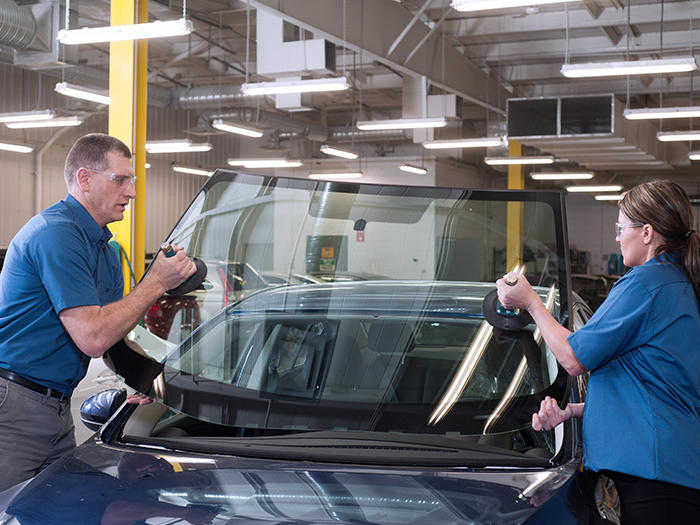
354,307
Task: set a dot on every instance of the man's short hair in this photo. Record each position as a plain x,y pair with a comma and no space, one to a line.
90,151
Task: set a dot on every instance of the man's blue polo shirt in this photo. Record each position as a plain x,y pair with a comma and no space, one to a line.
642,346
60,259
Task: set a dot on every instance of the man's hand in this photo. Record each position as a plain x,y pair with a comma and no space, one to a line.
550,415
137,398
172,271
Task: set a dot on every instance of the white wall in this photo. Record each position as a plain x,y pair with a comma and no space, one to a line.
591,226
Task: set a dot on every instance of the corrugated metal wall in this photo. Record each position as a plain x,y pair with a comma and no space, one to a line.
168,192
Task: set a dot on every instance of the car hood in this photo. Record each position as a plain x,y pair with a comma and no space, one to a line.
109,485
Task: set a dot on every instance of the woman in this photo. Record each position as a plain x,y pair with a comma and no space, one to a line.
641,419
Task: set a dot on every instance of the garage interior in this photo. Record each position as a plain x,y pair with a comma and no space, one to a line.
487,74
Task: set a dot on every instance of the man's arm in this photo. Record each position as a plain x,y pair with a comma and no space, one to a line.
94,329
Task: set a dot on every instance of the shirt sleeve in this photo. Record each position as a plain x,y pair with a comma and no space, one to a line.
62,257
619,325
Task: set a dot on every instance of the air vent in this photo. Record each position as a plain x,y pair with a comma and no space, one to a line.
560,116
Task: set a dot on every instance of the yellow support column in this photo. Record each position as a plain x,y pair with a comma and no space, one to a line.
514,211
127,92
139,252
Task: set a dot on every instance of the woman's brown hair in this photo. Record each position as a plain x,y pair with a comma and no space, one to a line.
666,206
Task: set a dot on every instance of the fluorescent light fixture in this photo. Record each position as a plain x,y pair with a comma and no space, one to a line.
629,67
677,136
655,113
51,123
24,116
70,90
694,155
328,176
507,161
278,87
484,142
176,146
608,197
483,5
236,128
402,123
94,35
338,152
15,147
265,163
413,169
581,189
192,171
571,175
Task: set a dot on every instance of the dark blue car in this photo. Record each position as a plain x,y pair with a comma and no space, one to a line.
383,401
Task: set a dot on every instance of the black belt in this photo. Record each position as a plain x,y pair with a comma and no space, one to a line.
31,385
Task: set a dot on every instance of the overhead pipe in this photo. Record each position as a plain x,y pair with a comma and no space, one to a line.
17,25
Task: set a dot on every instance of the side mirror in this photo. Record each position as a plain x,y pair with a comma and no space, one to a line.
98,408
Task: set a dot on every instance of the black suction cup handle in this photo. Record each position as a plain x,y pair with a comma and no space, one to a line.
499,317
193,281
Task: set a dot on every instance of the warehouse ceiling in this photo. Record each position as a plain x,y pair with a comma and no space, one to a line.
398,53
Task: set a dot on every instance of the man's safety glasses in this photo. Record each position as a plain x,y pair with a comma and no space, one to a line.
120,180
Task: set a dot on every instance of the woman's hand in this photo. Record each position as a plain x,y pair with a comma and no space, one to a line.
514,291
550,415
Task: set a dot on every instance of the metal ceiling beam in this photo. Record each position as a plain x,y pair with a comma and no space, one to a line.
408,27
370,26
598,47
674,12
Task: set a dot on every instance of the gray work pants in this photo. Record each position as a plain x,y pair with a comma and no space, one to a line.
35,430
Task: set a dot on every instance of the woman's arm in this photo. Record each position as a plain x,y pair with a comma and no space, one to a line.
521,295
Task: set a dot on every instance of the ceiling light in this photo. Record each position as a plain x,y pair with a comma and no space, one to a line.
654,113
15,147
70,90
483,5
608,197
694,155
192,171
176,146
677,136
571,175
402,123
93,35
484,142
147,165
338,152
506,161
327,176
236,128
278,87
413,169
50,123
629,67
265,163
580,189
24,116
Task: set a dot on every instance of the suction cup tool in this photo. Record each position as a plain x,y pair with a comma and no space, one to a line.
193,281
499,317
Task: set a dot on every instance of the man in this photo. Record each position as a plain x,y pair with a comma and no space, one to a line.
61,304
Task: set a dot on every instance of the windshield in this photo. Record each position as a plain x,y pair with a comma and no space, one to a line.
358,308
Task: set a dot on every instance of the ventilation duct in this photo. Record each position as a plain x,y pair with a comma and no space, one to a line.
344,135
17,25
210,98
